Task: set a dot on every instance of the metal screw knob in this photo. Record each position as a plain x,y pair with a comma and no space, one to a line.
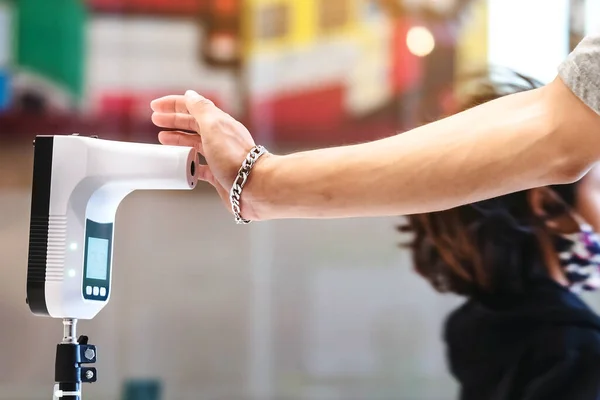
89,374
90,354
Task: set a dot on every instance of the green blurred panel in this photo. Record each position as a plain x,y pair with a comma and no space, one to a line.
144,389
51,40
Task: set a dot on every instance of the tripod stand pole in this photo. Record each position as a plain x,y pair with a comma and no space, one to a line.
71,353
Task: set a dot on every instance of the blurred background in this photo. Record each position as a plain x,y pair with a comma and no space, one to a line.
204,309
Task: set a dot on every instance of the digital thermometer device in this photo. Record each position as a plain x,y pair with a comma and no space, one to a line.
78,184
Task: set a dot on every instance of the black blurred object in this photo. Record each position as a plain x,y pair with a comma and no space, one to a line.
70,370
32,103
541,344
142,389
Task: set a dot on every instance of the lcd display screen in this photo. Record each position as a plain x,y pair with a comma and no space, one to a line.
97,258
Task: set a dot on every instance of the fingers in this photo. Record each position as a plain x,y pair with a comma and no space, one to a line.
202,109
223,194
181,104
169,104
175,121
210,178
189,112
178,138
206,175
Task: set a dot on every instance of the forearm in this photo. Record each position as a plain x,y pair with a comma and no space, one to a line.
511,144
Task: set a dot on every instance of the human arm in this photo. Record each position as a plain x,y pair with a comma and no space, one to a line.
545,136
536,138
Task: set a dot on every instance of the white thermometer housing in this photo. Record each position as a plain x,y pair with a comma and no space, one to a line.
78,184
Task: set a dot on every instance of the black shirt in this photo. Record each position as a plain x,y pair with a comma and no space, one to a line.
543,344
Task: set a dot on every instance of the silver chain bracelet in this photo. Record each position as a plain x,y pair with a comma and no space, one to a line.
235,193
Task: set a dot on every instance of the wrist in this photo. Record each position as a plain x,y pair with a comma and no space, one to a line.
257,199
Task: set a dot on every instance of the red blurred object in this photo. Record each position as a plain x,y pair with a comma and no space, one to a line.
118,104
22,128
133,105
225,7
319,108
183,7
406,68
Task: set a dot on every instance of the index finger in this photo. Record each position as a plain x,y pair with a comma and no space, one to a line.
169,104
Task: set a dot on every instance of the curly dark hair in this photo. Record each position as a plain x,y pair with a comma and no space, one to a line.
488,247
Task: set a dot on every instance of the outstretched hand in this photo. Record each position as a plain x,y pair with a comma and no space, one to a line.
223,141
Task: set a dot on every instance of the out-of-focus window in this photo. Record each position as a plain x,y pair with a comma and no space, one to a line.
333,14
511,39
273,21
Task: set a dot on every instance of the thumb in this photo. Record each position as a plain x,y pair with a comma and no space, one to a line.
199,107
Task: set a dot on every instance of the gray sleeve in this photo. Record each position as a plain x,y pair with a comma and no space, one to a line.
581,71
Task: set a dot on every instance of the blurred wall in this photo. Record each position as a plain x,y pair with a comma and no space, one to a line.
150,57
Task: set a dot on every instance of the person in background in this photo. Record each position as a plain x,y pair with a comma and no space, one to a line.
549,135
520,260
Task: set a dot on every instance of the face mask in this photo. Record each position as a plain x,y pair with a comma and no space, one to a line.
579,255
